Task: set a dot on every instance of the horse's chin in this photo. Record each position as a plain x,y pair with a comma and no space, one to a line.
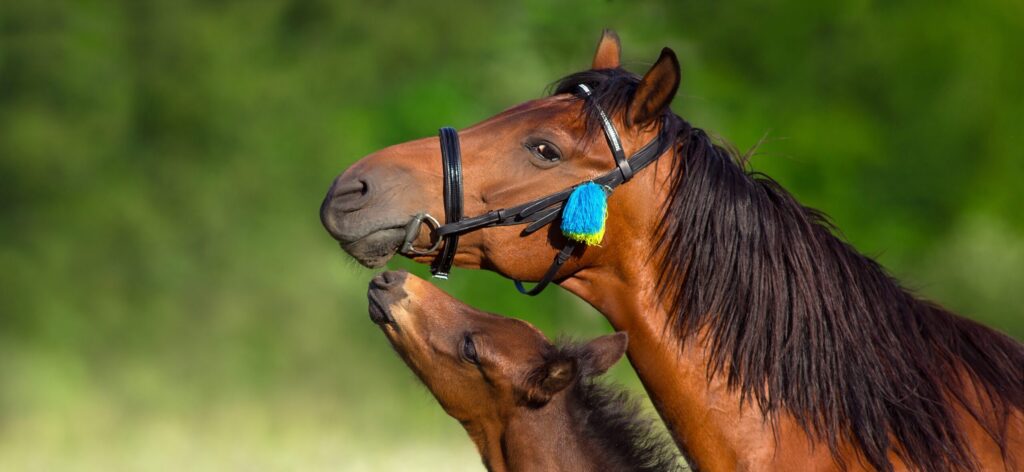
377,248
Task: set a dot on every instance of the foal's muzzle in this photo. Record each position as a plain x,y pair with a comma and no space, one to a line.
385,289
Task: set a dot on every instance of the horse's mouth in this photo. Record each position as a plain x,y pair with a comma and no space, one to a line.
375,248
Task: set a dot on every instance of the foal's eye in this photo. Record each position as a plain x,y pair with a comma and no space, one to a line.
469,349
545,151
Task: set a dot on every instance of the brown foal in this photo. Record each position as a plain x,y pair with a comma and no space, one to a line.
527,404
765,341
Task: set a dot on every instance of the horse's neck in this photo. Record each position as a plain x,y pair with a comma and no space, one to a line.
704,416
707,419
540,439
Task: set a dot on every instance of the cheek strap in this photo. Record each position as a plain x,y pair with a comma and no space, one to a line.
451,160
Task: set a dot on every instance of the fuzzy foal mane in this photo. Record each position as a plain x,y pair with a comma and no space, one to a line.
612,418
800,322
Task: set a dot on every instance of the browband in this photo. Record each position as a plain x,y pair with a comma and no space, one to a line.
535,214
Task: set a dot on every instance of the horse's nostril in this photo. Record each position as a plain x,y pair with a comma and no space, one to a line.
348,194
351,188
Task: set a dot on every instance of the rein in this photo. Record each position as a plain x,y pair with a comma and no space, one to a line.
536,214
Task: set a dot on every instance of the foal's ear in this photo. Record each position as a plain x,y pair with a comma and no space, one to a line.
609,49
549,379
655,91
602,353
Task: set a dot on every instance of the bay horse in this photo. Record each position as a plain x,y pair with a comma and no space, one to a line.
765,341
527,404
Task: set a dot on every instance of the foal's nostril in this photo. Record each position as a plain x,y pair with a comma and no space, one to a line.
388,280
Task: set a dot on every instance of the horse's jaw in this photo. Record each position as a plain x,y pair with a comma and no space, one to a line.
375,249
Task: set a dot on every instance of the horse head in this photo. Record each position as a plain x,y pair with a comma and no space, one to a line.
531,150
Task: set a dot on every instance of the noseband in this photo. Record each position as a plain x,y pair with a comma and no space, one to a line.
536,214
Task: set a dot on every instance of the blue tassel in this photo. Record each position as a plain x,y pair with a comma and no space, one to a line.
584,214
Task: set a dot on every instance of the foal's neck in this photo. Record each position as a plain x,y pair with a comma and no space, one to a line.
546,438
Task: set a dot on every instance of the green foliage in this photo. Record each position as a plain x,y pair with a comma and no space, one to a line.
167,285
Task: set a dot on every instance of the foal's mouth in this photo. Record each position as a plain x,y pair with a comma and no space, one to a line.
380,313
385,289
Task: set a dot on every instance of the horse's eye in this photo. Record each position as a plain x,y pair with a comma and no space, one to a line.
546,151
469,349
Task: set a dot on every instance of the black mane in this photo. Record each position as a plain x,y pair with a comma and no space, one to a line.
802,323
613,418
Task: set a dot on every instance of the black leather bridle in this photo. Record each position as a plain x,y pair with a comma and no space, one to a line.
535,214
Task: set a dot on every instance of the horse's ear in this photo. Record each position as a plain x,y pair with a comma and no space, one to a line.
609,49
549,379
655,91
602,353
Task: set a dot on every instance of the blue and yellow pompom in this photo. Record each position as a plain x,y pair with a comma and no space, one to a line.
584,214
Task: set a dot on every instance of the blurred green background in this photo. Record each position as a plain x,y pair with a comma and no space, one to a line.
170,302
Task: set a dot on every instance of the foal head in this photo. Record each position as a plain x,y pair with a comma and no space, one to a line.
481,367
527,403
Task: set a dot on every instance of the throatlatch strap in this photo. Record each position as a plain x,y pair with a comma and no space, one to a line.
451,160
559,261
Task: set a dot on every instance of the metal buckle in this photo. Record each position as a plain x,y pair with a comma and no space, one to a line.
412,230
